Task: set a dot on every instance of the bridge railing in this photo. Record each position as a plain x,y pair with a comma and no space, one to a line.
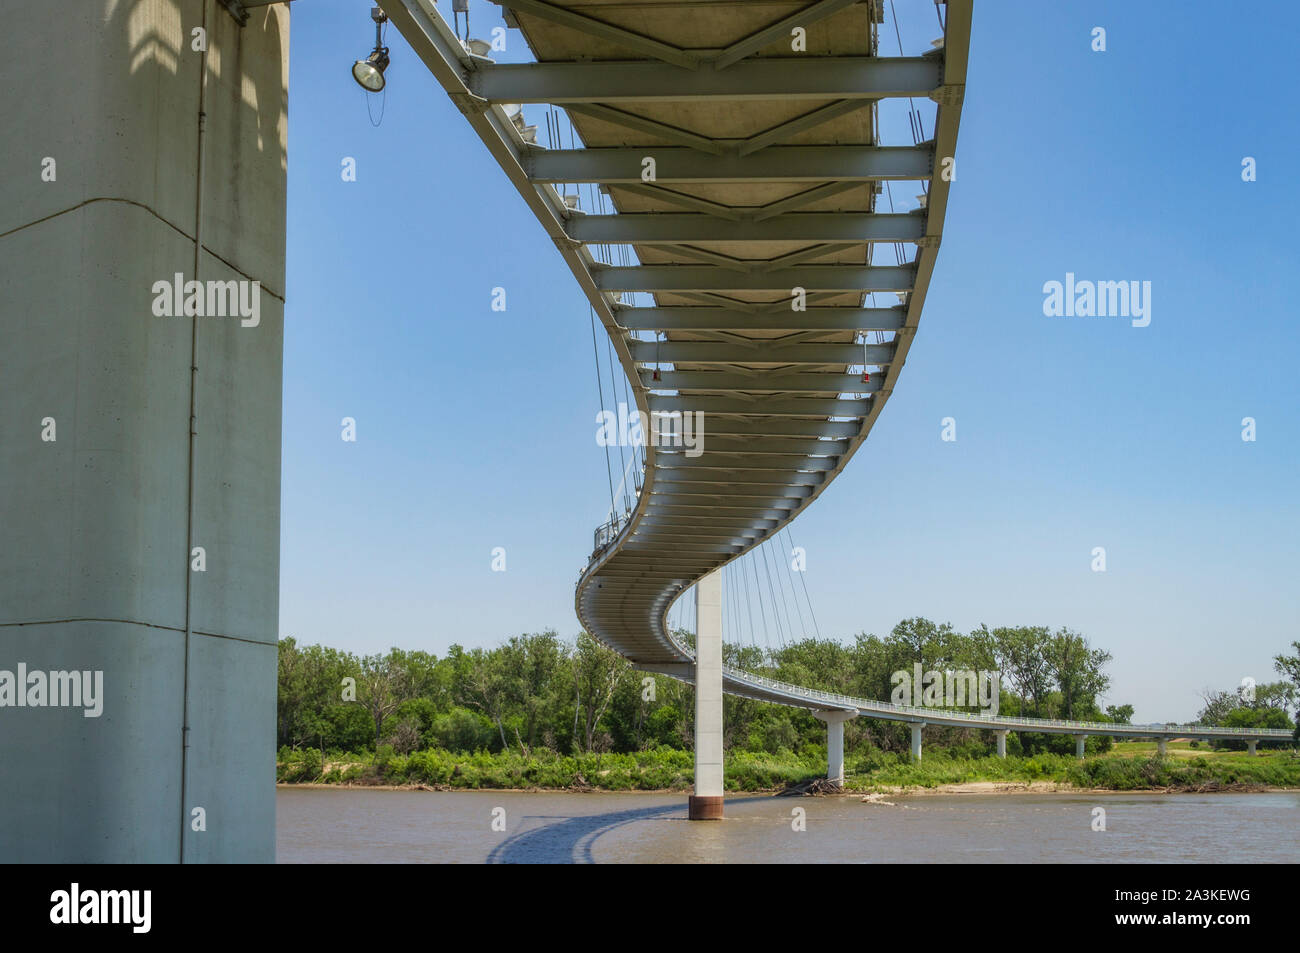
1026,723
931,714
606,533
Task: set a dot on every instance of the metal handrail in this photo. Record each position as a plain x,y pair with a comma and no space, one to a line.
605,534
614,526
1097,727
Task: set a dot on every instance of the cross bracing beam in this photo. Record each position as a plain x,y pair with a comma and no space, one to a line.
785,478
729,542
635,545
677,227
655,562
778,497
770,78
726,319
646,530
703,534
738,461
807,197
687,59
724,443
795,383
678,165
716,209
605,31
703,499
719,424
710,498
642,124
650,531
714,278
792,127
779,30
768,494
737,524
690,511
778,407
689,564
696,352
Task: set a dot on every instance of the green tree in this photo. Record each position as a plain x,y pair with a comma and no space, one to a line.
1077,668
1218,705
596,675
383,683
1023,652
1120,714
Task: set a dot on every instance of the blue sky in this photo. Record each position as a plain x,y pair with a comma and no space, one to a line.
476,428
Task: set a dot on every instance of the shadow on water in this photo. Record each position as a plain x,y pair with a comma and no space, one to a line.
570,839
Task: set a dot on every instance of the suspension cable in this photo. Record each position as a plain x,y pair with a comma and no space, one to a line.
749,606
758,592
794,597
803,579
776,616
776,572
609,472
613,391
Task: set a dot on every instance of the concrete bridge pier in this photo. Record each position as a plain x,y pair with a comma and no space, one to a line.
1001,735
1079,742
706,803
1162,746
142,263
916,740
1250,747
835,742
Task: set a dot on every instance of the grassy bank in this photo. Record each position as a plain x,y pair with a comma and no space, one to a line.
662,769
1121,770
1130,767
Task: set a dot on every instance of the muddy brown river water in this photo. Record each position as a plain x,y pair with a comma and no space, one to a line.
363,826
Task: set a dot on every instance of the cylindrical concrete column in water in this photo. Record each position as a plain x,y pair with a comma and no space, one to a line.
706,803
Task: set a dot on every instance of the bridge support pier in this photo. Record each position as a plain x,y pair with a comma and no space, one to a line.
1001,735
706,803
1079,742
1162,746
141,323
1250,747
835,742
916,740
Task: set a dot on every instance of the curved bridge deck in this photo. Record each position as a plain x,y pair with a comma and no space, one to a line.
738,142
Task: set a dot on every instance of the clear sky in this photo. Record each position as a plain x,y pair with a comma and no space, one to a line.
476,428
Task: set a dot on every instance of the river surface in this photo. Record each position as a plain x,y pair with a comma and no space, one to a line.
360,826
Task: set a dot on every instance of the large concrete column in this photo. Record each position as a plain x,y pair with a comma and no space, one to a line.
1079,742
1162,746
1001,735
916,740
706,803
104,192
835,742
1250,747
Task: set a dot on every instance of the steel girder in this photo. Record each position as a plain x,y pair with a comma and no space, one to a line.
792,77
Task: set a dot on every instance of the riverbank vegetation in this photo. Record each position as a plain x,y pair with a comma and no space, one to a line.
537,712
668,769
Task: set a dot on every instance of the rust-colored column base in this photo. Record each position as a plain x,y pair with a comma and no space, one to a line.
704,808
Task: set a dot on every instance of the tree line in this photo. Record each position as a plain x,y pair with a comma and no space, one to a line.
1251,705
538,691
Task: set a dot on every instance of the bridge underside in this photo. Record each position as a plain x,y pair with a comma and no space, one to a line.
759,247
770,286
